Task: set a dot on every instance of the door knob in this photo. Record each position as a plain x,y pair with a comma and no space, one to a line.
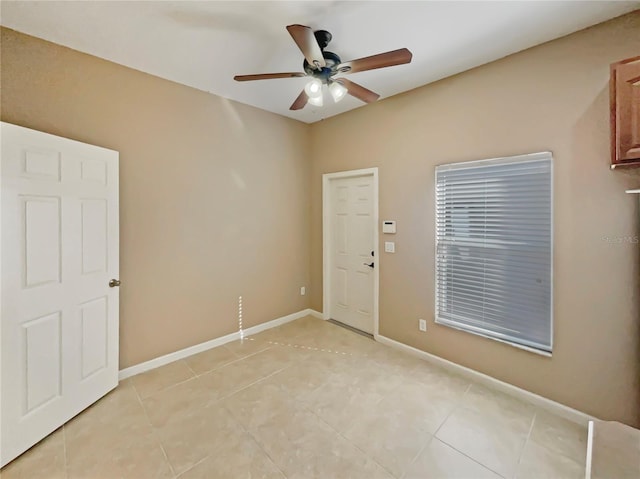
370,265
114,282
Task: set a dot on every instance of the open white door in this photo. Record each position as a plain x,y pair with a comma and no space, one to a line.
350,248
59,250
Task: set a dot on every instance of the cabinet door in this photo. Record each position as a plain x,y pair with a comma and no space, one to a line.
625,79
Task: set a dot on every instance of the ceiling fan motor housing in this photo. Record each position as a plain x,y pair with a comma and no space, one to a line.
323,74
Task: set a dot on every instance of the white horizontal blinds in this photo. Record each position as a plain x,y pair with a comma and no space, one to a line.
494,250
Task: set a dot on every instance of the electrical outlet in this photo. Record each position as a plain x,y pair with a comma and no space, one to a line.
303,291
423,324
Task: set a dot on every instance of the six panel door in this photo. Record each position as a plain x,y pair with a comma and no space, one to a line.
59,317
351,252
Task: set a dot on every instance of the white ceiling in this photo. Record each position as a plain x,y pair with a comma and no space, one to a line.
203,44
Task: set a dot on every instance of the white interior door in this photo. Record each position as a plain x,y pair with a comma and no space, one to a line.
58,316
352,248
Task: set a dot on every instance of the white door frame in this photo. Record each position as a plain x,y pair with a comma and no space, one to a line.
326,235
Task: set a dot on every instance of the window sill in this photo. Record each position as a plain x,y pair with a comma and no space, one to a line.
503,341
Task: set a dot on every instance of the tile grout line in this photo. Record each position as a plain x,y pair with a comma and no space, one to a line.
453,410
312,348
236,355
189,367
255,439
218,368
469,457
579,462
250,384
196,375
227,396
451,446
218,400
526,441
409,463
240,358
321,419
165,389
209,372
433,437
153,430
229,363
301,405
366,454
193,465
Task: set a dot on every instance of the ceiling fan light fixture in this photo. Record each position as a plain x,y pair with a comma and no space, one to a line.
313,89
337,90
316,100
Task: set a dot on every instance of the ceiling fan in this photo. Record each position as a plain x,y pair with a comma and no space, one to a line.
322,66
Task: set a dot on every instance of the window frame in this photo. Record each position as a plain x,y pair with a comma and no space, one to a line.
496,161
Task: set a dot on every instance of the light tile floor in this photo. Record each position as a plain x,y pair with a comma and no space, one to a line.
308,399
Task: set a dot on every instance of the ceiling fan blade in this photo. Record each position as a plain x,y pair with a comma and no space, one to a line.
268,76
307,43
300,102
382,60
360,92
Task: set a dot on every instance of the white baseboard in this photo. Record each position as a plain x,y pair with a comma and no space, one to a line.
543,403
213,343
315,314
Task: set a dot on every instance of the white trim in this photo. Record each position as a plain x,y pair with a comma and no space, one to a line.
587,472
316,314
556,408
213,343
633,191
326,178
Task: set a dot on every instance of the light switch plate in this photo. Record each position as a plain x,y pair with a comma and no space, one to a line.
389,247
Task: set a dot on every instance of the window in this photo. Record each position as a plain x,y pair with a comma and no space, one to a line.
494,249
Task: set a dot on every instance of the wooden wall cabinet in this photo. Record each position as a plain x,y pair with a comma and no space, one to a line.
625,113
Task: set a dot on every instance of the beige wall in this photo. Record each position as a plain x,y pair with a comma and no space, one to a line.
214,201
213,194
552,97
